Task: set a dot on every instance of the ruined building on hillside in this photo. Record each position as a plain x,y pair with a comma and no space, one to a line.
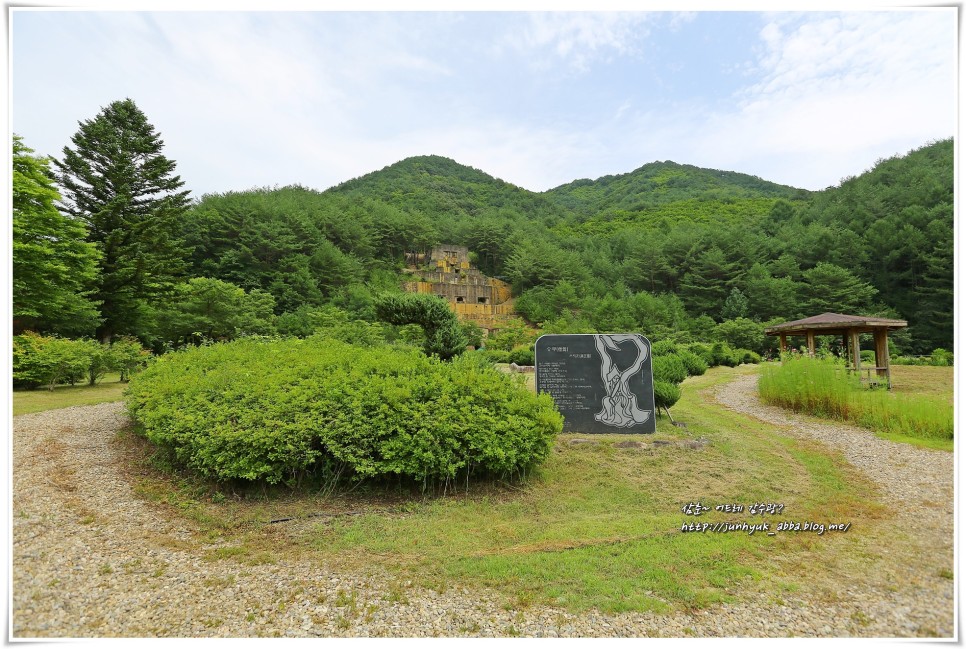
471,294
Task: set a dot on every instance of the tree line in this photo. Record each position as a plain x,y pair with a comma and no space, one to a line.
107,243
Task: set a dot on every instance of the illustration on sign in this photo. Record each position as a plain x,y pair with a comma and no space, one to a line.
601,383
619,407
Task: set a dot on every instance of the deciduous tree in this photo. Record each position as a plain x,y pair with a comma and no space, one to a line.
53,266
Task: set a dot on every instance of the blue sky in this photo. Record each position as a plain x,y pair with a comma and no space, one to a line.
535,98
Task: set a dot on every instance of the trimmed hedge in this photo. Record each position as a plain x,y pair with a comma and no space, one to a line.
666,394
693,363
279,410
663,348
669,369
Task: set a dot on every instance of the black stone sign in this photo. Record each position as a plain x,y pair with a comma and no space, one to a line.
601,383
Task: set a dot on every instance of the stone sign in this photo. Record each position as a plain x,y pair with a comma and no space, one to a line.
601,383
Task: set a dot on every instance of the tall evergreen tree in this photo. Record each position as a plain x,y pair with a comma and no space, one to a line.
53,266
117,181
828,287
705,287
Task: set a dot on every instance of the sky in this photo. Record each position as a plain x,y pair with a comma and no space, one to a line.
538,99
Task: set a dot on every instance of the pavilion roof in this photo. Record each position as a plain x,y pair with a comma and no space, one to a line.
834,323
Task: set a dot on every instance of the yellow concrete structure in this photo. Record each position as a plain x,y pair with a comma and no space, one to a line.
471,294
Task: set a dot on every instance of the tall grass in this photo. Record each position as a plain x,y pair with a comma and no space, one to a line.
824,388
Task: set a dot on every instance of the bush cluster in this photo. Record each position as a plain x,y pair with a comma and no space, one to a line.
495,355
721,353
671,364
50,360
283,410
521,355
939,358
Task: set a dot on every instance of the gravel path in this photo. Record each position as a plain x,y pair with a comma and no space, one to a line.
92,559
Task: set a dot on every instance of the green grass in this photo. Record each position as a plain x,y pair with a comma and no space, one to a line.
109,388
923,380
599,526
824,389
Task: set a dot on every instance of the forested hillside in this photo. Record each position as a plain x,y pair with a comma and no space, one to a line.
659,183
669,250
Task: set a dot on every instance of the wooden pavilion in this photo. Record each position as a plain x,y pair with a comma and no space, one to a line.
849,327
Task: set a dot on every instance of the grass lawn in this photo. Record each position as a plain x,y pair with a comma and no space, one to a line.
109,388
599,526
924,380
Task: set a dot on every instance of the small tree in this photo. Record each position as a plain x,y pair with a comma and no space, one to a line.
41,360
736,306
100,360
742,333
444,337
127,356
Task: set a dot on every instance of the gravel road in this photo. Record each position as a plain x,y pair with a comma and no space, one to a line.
92,559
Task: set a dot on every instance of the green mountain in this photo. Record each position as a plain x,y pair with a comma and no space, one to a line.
660,183
668,249
441,188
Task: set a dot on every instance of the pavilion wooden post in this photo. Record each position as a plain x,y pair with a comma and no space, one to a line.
856,356
810,337
782,342
882,355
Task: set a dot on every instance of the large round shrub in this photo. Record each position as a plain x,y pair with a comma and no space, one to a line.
664,348
275,410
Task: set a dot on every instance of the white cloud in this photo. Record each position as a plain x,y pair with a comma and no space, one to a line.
579,38
837,92
264,99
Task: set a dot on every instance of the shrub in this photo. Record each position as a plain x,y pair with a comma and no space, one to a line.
522,355
693,363
100,360
703,351
512,333
40,360
496,355
473,333
128,357
279,410
747,356
665,394
28,370
722,354
867,356
663,348
669,369
741,332
941,357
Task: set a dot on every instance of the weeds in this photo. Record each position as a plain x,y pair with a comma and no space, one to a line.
824,388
